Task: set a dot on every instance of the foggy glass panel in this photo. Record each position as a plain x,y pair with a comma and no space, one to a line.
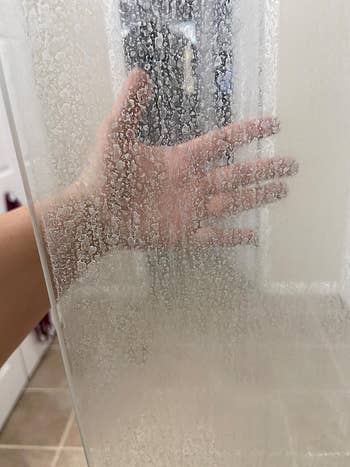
190,187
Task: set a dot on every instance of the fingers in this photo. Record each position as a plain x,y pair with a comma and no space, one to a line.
210,146
248,173
225,237
131,102
246,198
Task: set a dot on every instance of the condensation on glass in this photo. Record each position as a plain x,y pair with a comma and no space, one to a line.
203,314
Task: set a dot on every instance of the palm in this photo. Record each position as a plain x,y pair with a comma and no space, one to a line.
157,195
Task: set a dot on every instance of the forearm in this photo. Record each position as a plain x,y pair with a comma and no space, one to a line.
23,294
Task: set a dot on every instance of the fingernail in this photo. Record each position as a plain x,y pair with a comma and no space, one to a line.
290,167
294,167
268,126
253,239
275,125
282,190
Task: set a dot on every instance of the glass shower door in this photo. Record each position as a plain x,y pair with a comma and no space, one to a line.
199,280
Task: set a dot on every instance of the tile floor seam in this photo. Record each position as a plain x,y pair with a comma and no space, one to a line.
329,454
43,389
327,342
285,418
63,439
27,447
35,447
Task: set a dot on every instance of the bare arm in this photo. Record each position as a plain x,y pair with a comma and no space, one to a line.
23,294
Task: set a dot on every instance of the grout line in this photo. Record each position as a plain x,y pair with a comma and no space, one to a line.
33,447
291,452
330,347
285,418
63,439
48,390
342,420
27,447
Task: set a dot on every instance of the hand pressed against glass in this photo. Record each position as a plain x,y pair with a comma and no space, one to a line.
157,194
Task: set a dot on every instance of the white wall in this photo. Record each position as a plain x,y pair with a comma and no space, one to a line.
19,367
308,230
73,83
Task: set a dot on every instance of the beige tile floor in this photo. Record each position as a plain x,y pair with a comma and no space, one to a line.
41,431
299,362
